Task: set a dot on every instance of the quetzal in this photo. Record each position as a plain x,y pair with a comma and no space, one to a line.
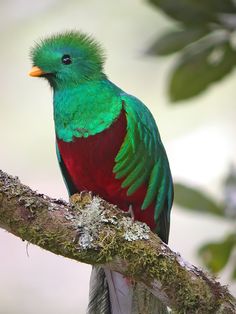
107,142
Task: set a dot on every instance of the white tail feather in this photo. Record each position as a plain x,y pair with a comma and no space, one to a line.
120,292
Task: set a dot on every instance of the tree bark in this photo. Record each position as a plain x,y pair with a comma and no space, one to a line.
92,231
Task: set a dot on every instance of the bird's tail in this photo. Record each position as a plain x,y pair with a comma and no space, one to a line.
111,293
99,301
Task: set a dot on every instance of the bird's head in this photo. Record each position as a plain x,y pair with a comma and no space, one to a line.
67,59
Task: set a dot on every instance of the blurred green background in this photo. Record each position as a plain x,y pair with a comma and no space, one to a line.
199,136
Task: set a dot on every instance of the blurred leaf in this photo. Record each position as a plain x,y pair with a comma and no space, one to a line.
176,40
186,11
219,6
196,200
225,6
195,11
197,70
216,255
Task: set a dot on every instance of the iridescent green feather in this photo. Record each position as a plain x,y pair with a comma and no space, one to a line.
135,185
161,196
155,177
142,158
130,164
134,174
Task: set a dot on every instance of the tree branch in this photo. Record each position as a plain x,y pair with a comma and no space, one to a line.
92,231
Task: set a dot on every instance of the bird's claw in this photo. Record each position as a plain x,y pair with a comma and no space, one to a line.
130,213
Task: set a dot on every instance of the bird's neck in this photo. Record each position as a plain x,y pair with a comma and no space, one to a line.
86,109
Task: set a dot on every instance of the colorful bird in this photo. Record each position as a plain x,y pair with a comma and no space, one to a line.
107,142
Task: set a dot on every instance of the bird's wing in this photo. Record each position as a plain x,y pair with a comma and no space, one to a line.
142,159
65,174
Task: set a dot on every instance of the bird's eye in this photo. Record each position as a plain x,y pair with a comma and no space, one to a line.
66,59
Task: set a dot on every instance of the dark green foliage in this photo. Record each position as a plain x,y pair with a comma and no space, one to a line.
196,200
195,12
176,40
215,255
186,11
197,69
203,29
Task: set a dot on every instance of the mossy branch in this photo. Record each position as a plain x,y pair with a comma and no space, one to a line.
92,231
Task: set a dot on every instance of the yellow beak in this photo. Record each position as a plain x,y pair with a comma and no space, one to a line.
36,71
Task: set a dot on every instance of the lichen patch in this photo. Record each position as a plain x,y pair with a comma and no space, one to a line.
92,217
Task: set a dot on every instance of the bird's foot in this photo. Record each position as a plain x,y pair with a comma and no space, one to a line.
130,212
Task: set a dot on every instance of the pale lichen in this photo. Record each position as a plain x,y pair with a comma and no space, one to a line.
89,221
134,230
92,216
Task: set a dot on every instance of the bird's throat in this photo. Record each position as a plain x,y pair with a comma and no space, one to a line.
85,110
